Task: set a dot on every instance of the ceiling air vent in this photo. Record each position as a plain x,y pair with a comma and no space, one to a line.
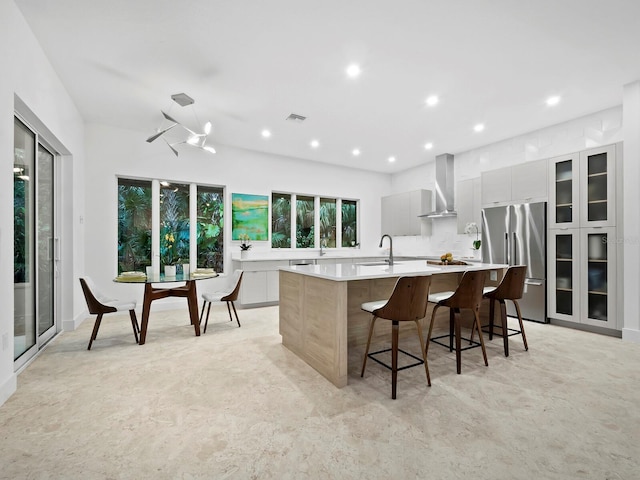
294,117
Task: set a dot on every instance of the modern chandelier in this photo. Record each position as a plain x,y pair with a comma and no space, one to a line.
194,139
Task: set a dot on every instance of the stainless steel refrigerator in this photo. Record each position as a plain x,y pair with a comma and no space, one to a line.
516,235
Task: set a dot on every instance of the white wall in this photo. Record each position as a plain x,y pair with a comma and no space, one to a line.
601,128
118,152
27,74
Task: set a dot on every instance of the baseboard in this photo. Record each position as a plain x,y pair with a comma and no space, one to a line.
629,335
71,325
586,328
8,388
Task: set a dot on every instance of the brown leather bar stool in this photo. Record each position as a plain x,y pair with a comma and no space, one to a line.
408,302
510,288
467,295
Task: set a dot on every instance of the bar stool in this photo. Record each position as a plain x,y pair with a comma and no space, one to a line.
510,288
467,295
408,302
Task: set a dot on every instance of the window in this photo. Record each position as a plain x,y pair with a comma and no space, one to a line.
280,220
304,222
174,223
136,208
334,220
210,243
134,224
328,222
349,223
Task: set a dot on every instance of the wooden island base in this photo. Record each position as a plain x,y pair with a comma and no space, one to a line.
321,319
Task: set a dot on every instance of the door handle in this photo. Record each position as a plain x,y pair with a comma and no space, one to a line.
56,249
515,249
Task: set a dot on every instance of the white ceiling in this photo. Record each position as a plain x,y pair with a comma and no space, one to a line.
249,64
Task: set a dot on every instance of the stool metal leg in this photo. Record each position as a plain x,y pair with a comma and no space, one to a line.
366,353
394,357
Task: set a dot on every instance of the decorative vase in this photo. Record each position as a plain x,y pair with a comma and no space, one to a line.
244,253
169,270
185,269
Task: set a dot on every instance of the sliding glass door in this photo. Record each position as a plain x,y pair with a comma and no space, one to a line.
34,269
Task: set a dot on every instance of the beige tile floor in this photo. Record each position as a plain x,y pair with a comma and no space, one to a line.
236,404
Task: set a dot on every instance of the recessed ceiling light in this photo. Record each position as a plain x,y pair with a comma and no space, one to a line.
392,159
164,183
479,127
551,101
353,70
428,146
355,152
432,100
314,144
266,133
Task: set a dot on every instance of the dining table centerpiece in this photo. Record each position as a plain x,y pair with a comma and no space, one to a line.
169,254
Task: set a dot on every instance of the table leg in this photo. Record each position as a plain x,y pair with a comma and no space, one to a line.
146,307
192,301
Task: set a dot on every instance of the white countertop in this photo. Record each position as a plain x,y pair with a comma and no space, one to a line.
314,255
346,272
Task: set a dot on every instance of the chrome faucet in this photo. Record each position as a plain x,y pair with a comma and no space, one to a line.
390,247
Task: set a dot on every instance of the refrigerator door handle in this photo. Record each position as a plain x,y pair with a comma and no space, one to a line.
507,251
515,250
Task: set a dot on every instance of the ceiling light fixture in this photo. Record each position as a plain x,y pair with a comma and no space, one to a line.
355,152
432,100
353,70
479,127
392,159
552,101
428,146
314,144
266,133
194,139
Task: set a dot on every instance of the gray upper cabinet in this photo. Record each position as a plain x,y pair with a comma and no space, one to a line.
400,213
468,203
529,181
525,182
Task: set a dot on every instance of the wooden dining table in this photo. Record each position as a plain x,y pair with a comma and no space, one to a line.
151,293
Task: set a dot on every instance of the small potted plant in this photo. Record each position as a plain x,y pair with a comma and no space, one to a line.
470,228
245,245
168,257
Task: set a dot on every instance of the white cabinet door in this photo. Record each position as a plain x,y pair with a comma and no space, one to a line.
597,187
468,203
529,182
400,213
598,276
564,284
253,288
564,191
273,286
496,187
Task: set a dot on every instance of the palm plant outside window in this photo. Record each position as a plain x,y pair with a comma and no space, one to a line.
135,207
305,235
281,220
349,223
328,222
134,224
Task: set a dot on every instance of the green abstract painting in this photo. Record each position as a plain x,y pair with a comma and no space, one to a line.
250,216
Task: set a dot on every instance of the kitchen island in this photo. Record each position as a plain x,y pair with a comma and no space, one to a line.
320,316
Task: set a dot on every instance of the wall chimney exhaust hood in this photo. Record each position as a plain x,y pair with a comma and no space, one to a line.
445,184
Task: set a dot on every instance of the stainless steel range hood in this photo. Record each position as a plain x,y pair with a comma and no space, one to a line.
445,184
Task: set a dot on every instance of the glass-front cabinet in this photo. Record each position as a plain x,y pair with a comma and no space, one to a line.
598,271
582,273
564,274
564,191
582,237
597,190
582,190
